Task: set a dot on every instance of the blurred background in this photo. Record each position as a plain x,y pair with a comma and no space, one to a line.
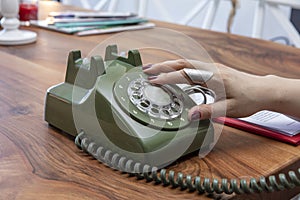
277,20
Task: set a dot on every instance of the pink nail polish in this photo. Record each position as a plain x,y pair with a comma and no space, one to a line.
152,78
195,116
147,66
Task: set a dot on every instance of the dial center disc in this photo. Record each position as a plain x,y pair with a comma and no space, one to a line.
157,95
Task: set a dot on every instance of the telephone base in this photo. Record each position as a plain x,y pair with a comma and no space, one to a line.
58,108
84,102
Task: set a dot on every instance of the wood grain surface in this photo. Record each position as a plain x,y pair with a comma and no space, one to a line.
40,162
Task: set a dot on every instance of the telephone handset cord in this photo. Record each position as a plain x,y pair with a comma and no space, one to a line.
238,186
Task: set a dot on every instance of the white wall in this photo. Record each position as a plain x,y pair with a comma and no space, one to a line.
174,10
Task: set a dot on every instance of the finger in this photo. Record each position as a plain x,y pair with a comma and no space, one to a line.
175,77
207,111
174,65
167,66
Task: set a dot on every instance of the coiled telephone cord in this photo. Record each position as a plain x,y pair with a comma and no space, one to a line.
189,182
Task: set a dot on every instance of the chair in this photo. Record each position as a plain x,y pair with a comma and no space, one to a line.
285,23
210,16
211,8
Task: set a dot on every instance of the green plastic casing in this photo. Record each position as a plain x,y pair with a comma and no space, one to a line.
94,90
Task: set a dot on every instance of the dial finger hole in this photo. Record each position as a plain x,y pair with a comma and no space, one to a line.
154,110
136,87
138,83
175,109
155,106
166,112
137,95
177,103
145,103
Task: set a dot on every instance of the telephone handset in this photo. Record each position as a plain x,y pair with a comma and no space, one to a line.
129,124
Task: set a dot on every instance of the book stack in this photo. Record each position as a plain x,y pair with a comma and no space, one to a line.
89,23
269,124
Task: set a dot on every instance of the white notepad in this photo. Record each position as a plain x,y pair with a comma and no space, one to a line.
274,121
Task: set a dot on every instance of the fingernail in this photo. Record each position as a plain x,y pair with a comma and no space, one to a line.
151,77
147,66
195,116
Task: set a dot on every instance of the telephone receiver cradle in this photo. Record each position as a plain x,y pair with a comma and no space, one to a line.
114,105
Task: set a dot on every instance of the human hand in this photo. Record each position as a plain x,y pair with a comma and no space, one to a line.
238,94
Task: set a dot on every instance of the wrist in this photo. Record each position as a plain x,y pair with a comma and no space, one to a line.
272,93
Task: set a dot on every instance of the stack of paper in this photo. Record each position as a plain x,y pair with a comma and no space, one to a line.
88,23
274,121
269,124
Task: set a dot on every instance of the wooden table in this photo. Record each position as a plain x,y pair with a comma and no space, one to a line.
40,162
